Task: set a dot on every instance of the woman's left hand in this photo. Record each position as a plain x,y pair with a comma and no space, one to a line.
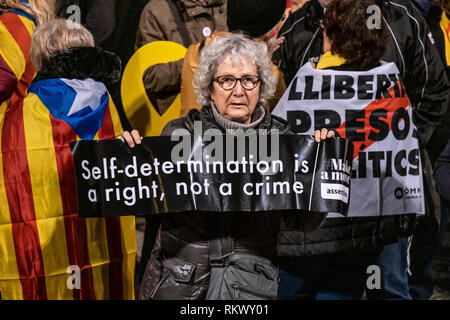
273,44
320,135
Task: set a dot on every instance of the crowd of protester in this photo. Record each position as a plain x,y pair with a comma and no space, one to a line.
60,82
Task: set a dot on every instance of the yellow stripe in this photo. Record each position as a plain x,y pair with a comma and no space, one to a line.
46,196
128,227
11,53
445,22
29,24
328,60
98,256
10,286
118,130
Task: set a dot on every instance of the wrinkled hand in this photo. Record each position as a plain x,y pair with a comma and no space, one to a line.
132,138
273,44
320,135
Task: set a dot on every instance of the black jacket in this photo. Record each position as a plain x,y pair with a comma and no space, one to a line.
422,72
179,266
410,47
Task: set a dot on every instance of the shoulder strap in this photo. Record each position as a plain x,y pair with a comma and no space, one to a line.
180,23
220,247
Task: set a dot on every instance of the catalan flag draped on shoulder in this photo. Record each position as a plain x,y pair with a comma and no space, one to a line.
16,72
42,239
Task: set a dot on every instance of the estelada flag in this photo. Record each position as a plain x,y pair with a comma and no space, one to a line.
16,71
42,238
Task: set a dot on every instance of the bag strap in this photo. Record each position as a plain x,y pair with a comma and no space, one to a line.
219,247
217,257
180,23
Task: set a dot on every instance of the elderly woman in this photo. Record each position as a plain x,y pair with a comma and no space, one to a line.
18,18
233,82
42,237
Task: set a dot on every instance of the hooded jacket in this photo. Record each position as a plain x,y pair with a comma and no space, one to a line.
411,48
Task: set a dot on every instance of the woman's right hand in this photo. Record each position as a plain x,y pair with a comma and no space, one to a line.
320,135
132,138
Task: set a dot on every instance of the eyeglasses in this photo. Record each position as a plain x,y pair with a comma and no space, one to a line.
248,82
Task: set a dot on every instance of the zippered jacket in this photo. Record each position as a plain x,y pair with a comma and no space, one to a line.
411,47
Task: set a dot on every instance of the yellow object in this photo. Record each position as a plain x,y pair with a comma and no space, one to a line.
140,112
328,60
41,234
445,25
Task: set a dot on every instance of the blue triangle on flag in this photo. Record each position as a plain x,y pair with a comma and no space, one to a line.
84,115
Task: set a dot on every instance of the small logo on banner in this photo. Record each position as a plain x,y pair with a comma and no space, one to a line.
334,191
398,193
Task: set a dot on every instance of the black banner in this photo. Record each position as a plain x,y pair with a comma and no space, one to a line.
258,173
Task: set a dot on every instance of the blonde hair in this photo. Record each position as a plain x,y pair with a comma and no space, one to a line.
42,10
57,36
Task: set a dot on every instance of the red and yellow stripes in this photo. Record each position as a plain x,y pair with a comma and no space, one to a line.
445,25
15,39
41,234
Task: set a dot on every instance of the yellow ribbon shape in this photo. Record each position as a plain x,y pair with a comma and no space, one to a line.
140,112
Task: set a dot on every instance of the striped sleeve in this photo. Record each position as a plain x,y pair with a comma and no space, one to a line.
15,69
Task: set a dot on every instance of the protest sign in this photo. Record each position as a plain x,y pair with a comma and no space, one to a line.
190,173
371,109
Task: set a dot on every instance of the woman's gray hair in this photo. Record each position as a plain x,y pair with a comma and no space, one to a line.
239,48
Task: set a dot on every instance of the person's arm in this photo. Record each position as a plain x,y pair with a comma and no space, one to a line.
425,81
160,78
442,173
163,77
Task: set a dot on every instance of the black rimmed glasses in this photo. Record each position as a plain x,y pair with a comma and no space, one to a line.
248,82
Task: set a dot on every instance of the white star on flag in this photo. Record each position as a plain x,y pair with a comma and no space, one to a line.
88,94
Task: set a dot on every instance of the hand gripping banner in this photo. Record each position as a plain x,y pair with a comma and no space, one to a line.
298,174
372,110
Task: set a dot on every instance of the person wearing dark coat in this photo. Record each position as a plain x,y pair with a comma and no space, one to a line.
233,81
410,47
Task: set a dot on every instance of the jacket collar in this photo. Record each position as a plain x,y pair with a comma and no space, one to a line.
82,63
209,122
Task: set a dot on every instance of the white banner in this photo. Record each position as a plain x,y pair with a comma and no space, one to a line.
371,109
